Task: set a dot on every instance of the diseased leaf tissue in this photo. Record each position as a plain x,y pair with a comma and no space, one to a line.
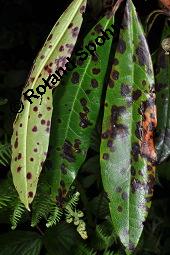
67,118
127,150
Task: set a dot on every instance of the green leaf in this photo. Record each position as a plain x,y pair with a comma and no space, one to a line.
20,243
162,77
30,137
76,108
127,149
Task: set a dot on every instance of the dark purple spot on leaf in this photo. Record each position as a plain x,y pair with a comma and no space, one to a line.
75,78
29,176
94,83
34,129
96,70
105,156
30,194
121,46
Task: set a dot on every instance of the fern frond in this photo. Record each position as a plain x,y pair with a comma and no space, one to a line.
72,201
108,253
18,211
41,208
83,249
55,216
5,153
4,200
104,236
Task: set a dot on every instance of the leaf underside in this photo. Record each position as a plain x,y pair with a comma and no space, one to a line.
76,108
30,137
127,148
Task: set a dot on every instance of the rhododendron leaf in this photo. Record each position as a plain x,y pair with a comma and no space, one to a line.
77,105
30,137
127,149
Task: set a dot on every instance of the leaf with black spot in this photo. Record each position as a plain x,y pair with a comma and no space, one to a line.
127,150
76,108
30,137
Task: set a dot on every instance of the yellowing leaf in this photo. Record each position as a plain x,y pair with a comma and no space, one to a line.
30,137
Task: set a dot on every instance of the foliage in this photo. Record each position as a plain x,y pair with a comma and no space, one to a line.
26,139
129,119
100,152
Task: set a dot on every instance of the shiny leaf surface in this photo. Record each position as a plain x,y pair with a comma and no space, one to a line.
76,108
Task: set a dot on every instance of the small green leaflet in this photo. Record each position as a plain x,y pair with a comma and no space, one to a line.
30,137
127,149
76,108
162,77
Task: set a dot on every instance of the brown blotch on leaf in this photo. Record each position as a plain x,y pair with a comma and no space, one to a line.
83,101
48,108
135,151
75,78
43,122
115,75
68,152
35,109
105,135
61,48
50,37
136,94
119,208
19,169
30,194
95,58
124,196
105,156
121,48
71,24
29,176
84,121
16,143
75,31
125,89
94,83
111,83
63,169
48,122
19,156
31,159
96,70
77,145
34,129
115,62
